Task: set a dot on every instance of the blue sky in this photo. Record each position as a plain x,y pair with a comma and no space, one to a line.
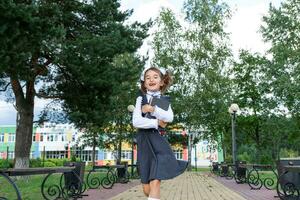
243,27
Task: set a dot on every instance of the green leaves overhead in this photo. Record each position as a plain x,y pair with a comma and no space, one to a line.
282,29
65,49
196,51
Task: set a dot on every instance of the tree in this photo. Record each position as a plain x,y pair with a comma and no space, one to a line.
62,49
197,52
282,29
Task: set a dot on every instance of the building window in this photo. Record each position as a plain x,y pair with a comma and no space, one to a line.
1,137
126,154
50,138
11,137
56,154
108,155
33,138
42,137
178,154
85,155
11,155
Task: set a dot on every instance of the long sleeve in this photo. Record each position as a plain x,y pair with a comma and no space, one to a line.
138,121
166,116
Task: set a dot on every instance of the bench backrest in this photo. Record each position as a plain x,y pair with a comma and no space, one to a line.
290,177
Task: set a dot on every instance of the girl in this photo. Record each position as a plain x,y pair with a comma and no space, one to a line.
155,156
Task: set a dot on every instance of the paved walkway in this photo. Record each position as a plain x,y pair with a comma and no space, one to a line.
188,186
245,191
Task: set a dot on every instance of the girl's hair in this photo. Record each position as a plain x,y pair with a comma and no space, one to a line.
166,78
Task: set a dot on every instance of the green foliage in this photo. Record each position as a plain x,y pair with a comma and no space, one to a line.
179,139
247,152
49,164
66,50
57,162
244,157
282,29
288,153
35,163
197,53
73,158
4,163
228,159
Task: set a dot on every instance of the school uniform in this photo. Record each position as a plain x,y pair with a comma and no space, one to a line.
155,156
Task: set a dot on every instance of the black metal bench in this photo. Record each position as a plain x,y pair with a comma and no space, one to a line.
240,172
134,172
113,175
54,191
215,168
288,184
227,170
256,181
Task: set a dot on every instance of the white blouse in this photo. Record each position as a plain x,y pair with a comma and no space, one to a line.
139,121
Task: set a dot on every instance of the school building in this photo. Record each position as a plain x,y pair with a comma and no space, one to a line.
61,141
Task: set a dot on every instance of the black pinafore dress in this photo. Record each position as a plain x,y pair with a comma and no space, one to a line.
155,157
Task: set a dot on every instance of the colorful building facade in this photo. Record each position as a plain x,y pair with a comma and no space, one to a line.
60,141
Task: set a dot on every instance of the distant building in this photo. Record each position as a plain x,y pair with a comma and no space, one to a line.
59,141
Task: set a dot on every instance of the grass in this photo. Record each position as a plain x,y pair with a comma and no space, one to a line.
201,169
30,186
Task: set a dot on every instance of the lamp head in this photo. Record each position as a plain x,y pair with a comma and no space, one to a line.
130,108
233,108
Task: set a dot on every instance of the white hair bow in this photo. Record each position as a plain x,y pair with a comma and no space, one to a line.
162,70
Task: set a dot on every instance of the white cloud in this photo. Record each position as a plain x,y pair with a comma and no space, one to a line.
8,112
245,24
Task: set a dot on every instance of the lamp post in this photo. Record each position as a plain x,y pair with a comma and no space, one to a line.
233,110
130,109
191,144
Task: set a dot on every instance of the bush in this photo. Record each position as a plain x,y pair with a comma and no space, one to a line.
248,152
5,164
49,164
266,159
228,159
35,163
244,157
288,153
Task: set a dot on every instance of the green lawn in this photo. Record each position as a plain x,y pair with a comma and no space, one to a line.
201,169
30,187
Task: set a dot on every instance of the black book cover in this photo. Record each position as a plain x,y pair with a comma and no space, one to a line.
162,103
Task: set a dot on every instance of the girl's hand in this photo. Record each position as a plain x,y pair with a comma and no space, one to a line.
147,108
162,123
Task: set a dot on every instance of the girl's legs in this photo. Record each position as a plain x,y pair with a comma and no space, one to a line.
146,189
155,189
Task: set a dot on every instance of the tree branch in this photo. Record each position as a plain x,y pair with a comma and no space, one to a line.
5,88
44,96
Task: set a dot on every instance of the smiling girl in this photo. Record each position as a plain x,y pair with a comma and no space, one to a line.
155,157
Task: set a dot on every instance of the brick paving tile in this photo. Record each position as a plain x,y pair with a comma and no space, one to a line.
105,194
245,191
188,186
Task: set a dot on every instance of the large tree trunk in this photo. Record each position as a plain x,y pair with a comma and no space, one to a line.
25,108
24,138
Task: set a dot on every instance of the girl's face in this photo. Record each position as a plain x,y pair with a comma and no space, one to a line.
153,81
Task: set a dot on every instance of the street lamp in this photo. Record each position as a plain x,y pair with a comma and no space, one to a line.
232,110
191,143
130,109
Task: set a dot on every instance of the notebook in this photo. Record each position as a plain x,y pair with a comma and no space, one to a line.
162,103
